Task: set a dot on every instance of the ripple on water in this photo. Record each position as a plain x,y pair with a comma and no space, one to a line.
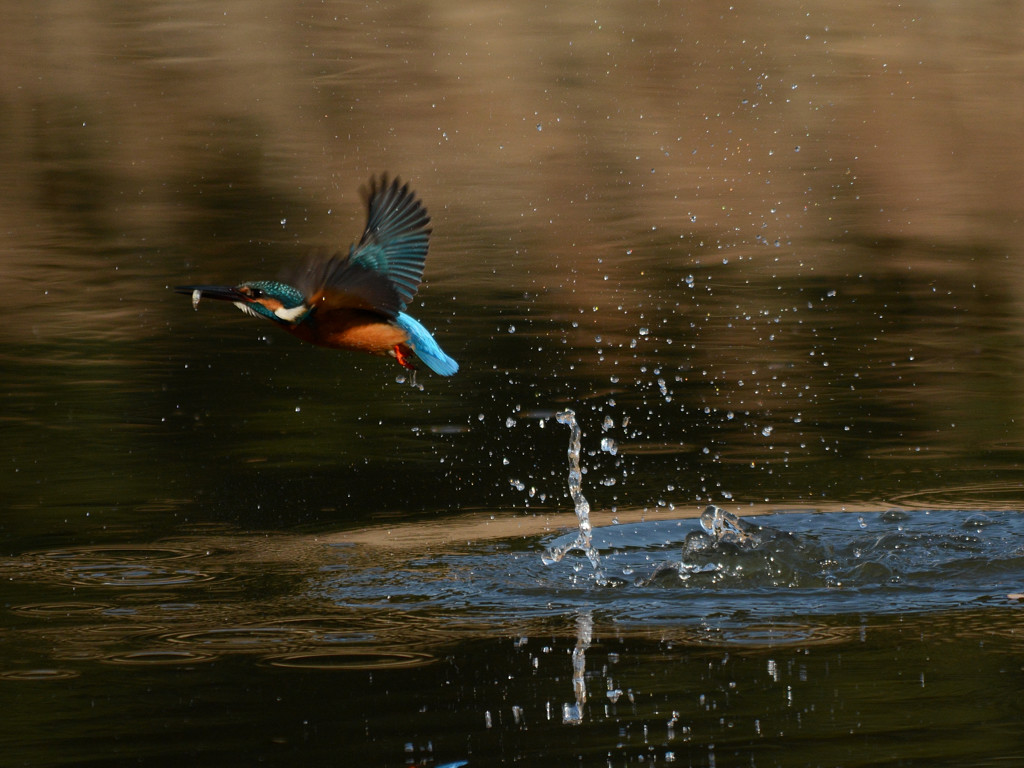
773,635
297,634
134,575
330,633
98,641
966,496
305,642
129,566
352,658
255,639
160,657
60,609
35,675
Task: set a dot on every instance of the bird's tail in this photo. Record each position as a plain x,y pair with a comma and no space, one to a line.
426,349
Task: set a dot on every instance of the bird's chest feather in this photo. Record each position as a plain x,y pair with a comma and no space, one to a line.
364,331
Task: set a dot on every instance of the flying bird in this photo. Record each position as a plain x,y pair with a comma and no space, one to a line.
356,300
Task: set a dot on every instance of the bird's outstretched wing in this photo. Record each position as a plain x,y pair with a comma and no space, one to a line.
382,272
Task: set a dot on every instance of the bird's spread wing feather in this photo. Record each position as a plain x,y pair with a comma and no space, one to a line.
382,272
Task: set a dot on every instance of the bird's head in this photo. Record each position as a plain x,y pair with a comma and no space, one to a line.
273,300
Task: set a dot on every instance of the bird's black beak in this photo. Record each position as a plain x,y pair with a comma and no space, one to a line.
222,292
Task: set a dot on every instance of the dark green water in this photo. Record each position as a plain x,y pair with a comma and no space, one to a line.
772,252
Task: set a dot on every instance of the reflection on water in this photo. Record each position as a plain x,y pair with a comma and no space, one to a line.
572,714
783,246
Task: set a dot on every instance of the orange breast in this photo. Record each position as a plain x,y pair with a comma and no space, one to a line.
350,329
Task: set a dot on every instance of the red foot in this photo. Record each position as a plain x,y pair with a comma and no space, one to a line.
402,358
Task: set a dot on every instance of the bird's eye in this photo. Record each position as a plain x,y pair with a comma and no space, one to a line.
255,293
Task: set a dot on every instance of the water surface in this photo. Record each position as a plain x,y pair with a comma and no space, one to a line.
770,255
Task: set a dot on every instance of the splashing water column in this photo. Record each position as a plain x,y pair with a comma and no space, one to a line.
584,540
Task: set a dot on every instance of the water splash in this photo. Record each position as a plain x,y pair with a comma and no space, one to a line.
729,548
719,526
726,528
584,539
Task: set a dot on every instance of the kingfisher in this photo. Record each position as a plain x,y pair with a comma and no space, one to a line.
354,300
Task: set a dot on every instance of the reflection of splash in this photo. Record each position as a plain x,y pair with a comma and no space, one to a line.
572,714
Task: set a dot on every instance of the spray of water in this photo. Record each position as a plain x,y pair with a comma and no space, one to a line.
719,526
584,540
725,527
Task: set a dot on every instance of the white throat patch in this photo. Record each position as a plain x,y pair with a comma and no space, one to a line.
293,314
287,315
